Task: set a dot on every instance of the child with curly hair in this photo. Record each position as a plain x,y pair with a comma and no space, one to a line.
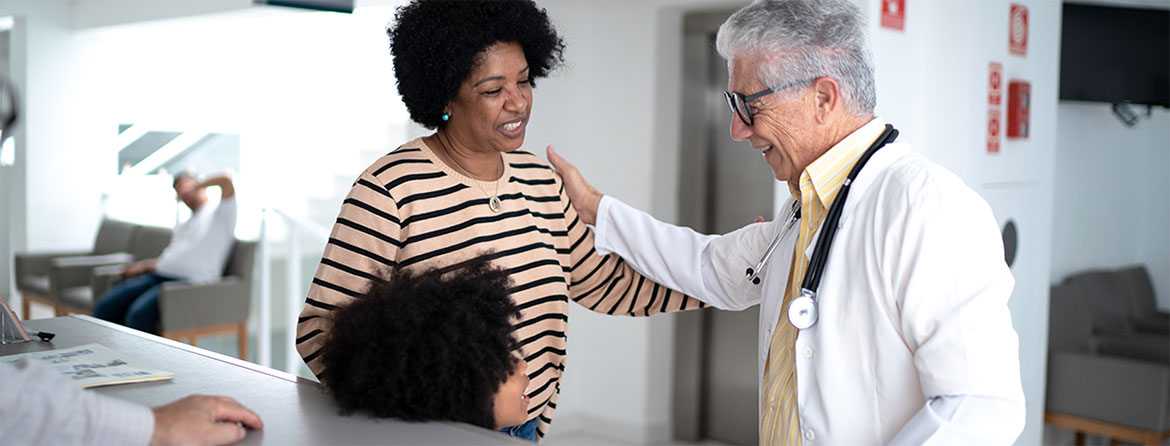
430,345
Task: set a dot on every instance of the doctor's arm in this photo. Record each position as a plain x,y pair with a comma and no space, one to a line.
952,288
43,407
676,257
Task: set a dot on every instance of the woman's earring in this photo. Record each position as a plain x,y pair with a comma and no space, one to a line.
446,116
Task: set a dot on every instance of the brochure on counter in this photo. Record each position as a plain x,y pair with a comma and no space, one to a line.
94,365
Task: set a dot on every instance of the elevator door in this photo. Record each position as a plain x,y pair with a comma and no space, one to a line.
724,185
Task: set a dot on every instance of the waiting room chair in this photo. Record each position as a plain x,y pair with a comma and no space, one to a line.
111,245
1144,313
1103,378
189,311
77,289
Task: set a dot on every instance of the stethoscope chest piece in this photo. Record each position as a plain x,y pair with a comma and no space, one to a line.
802,311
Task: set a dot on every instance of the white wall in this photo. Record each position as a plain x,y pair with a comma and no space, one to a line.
599,109
307,91
66,202
48,159
1112,202
615,113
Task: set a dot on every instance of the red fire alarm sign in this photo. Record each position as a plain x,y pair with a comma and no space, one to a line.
995,84
894,14
1019,103
993,131
1018,36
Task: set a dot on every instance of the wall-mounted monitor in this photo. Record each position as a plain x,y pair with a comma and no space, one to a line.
345,6
1115,54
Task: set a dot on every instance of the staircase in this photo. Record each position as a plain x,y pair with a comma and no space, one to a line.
300,231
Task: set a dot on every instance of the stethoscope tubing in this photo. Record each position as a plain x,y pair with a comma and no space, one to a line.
753,274
802,311
812,278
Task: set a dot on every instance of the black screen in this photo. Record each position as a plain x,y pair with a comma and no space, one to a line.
1110,54
345,6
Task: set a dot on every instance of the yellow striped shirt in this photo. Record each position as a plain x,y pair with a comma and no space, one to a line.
818,187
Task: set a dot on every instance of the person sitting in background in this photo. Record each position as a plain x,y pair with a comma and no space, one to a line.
197,253
40,406
435,344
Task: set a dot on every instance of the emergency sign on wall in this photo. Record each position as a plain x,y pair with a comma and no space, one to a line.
993,117
994,105
1018,34
994,84
894,14
1019,105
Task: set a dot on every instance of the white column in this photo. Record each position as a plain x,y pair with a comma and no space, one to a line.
293,287
264,332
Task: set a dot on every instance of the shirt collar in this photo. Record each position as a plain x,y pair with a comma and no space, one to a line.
822,179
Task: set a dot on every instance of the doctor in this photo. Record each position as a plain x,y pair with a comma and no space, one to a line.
908,338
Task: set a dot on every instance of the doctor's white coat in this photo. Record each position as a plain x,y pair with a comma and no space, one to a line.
913,301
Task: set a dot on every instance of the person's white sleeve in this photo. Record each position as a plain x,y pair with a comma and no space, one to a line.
952,287
964,420
677,257
225,213
40,406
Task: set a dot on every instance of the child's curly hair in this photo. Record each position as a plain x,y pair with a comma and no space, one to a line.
428,345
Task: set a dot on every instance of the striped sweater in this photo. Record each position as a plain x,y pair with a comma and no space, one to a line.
409,209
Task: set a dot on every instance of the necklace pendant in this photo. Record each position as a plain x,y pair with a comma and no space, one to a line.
494,203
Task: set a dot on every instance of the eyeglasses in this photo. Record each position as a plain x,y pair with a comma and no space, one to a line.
738,103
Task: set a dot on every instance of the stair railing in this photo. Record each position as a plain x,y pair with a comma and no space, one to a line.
293,285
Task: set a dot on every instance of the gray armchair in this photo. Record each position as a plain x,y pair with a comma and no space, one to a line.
188,311
1104,379
78,289
33,270
1144,313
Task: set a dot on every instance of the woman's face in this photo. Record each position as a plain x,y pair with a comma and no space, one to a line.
510,405
492,107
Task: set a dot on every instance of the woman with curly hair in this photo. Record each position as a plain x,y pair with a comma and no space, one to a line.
467,69
385,355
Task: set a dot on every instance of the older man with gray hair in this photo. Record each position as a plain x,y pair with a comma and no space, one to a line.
888,269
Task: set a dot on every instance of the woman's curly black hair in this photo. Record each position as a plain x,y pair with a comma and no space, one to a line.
429,345
436,43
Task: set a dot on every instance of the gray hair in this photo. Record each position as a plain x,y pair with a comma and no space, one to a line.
805,39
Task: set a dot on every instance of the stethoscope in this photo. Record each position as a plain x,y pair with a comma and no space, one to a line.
802,312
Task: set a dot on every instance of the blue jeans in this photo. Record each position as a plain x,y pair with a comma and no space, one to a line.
526,431
132,302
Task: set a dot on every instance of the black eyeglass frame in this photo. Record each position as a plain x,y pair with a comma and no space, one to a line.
745,115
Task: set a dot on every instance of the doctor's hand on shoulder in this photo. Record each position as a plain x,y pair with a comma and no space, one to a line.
584,197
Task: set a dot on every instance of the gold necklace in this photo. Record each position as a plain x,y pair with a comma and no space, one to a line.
493,198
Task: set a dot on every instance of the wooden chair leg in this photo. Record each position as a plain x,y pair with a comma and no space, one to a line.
1114,442
24,301
242,340
1080,439
59,311
191,336
1155,438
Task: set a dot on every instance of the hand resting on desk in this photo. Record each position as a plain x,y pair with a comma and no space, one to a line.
202,419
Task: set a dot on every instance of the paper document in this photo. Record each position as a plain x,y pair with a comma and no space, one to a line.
93,365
